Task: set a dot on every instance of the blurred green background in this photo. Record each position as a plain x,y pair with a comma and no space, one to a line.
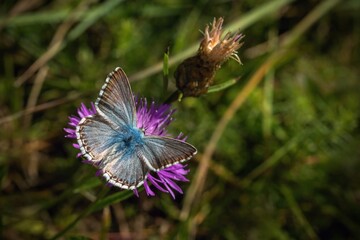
278,151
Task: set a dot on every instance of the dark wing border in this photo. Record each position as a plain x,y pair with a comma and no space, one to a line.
161,152
115,100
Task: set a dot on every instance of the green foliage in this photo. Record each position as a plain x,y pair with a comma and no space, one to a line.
285,167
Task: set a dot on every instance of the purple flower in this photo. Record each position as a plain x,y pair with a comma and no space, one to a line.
153,119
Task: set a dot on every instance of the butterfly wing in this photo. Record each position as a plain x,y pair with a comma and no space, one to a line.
94,134
161,152
116,102
101,144
103,138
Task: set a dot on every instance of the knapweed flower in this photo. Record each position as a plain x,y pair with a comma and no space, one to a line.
153,120
195,75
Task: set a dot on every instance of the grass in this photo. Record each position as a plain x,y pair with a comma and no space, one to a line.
278,148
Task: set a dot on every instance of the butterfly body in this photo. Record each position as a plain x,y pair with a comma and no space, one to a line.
129,139
112,141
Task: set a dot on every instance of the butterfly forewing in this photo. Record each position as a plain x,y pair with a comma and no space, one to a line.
160,152
115,101
99,143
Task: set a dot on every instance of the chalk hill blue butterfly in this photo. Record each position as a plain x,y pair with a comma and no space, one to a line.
111,141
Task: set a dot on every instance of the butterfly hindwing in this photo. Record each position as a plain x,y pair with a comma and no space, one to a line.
94,134
160,152
115,101
124,170
102,145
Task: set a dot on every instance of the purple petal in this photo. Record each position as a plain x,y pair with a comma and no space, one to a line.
154,118
169,190
174,176
148,190
136,193
173,185
99,173
69,130
155,181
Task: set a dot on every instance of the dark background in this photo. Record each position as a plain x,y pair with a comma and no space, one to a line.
286,165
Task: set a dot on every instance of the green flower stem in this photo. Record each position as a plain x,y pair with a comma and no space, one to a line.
166,71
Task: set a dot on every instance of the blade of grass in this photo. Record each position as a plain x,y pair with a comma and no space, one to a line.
166,71
83,214
37,18
268,92
274,159
55,45
222,86
62,42
19,7
195,190
267,103
112,199
100,203
92,18
105,224
295,208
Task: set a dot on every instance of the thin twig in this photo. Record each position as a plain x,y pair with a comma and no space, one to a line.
35,92
40,107
222,172
20,7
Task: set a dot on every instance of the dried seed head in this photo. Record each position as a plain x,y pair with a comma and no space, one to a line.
195,74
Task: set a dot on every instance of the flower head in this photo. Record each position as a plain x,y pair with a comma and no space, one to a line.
196,74
213,49
153,119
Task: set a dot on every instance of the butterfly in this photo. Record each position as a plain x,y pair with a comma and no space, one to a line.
111,141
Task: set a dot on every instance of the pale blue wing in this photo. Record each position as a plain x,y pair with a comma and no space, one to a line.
161,152
116,102
94,134
124,170
107,147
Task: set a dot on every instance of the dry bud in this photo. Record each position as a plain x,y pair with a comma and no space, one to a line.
195,74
